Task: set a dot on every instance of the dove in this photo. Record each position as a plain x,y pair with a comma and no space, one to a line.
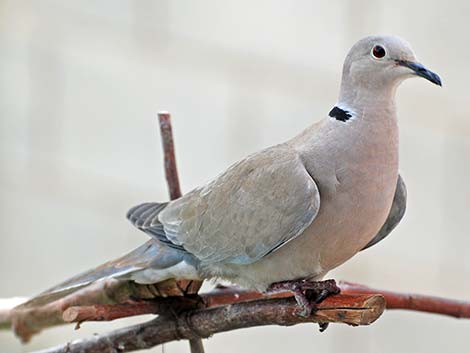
282,218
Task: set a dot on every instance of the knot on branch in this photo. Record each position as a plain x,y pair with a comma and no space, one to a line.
186,328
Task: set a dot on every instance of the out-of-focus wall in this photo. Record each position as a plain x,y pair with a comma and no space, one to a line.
80,86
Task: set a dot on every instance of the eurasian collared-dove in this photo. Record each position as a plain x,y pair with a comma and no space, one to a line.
294,211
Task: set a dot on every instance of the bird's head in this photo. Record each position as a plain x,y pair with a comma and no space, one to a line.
383,62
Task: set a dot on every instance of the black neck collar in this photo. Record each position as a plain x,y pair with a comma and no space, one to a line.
340,114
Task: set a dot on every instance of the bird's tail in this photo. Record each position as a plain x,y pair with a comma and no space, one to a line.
149,255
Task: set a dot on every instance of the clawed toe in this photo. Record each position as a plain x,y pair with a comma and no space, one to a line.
323,326
308,294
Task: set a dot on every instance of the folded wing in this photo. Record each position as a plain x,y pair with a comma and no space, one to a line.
249,211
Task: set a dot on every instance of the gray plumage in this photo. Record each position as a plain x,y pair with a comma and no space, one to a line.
396,213
295,210
263,182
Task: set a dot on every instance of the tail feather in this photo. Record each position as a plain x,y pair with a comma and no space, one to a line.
143,215
145,218
149,254
156,259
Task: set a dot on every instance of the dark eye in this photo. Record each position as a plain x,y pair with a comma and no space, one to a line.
378,52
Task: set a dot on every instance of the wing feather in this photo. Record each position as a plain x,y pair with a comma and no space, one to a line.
246,213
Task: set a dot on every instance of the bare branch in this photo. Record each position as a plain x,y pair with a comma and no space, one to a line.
196,345
414,302
6,307
231,295
174,188
206,322
171,172
109,312
27,321
30,321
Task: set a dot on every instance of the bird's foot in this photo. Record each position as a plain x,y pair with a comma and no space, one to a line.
308,294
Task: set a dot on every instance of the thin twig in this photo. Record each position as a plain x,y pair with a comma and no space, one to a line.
196,345
171,172
415,302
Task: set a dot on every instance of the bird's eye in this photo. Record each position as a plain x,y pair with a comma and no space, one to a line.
378,52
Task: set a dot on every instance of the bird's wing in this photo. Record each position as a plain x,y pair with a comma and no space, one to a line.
395,215
249,211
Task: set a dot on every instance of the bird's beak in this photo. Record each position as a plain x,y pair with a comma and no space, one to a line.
421,71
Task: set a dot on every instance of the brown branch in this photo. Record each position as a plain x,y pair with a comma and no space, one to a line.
231,295
171,172
27,321
414,302
6,310
196,345
30,321
206,322
109,312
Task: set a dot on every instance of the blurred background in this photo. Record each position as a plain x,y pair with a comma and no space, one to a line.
81,83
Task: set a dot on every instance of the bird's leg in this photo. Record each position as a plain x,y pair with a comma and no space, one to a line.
308,293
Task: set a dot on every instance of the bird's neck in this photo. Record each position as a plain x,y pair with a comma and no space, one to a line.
357,113
368,100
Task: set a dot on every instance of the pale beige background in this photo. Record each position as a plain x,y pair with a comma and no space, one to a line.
80,86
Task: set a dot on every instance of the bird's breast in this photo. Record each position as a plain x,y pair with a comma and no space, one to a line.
358,196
